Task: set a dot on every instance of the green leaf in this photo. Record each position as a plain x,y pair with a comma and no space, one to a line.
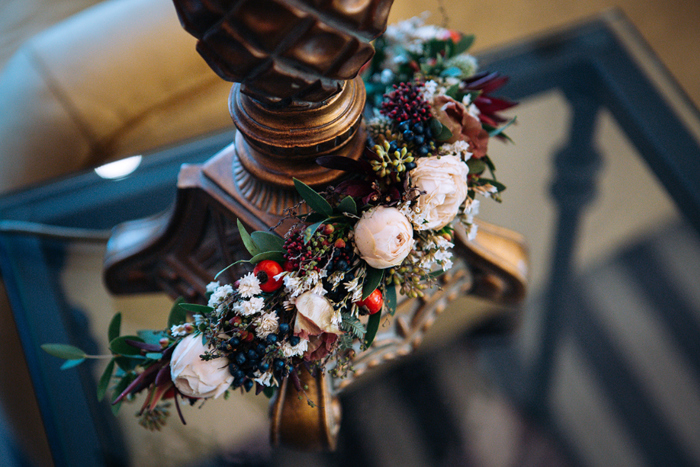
313,199
444,134
315,217
127,363
177,315
71,363
476,166
269,391
104,380
390,298
372,281
194,308
372,328
67,352
452,92
273,255
119,346
348,205
154,355
267,241
247,240
119,388
115,327
464,44
311,230
487,160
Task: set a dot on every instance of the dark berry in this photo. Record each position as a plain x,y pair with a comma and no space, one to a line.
232,368
342,265
264,366
294,340
252,354
271,338
419,139
283,328
408,135
261,349
423,151
234,341
418,129
240,358
239,375
279,364
403,126
410,165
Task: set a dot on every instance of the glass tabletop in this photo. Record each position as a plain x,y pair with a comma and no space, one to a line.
597,367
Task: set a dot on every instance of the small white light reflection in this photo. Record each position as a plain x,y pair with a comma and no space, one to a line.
119,169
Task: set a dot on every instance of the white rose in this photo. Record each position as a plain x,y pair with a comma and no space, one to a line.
384,237
443,185
195,377
315,315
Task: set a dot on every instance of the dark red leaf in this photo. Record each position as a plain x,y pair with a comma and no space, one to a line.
144,346
344,163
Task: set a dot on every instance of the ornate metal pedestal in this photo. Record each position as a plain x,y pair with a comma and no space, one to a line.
298,99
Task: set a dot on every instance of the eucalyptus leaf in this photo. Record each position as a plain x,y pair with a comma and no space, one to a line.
451,71
452,92
372,328
269,391
390,298
348,204
104,380
230,266
154,355
312,198
71,363
311,230
195,308
115,327
267,241
372,281
120,347
65,351
247,240
177,315
273,255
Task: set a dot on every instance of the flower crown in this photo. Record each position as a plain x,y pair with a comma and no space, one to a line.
317,296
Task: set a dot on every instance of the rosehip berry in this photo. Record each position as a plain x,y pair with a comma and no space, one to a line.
328,229
374,302
340,243
266,271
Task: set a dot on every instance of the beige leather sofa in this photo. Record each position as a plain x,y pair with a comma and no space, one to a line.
117,79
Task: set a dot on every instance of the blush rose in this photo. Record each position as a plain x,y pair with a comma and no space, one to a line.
384,237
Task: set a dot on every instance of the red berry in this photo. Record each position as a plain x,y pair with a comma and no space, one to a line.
340,243
328,229
266,271
289,266
374,302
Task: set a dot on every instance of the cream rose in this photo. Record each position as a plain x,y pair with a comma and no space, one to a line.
315,315
384,237
443,185
195,377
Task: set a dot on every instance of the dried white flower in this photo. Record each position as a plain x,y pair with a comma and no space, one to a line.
249,285
289,350
265,379
266,324
220,295
212,286
249,307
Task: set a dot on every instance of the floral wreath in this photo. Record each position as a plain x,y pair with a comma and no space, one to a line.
317,296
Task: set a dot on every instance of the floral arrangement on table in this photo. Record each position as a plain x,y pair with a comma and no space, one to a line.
317,296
